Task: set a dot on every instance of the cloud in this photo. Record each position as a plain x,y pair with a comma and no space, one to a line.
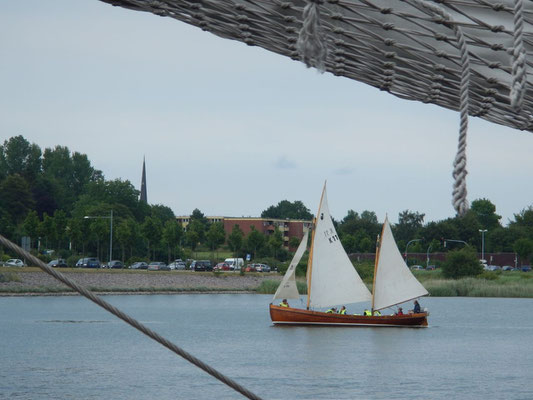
284,163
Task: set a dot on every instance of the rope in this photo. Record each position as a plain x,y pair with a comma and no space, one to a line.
311,44
519,78
459,201
129,320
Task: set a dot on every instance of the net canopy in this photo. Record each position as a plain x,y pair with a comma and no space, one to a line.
472,56
397,46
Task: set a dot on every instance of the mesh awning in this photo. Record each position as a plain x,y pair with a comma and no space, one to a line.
397,46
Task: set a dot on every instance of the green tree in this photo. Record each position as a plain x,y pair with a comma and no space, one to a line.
16,198
235,239
524,248
294,242
216,236
349,243
31,226
47,230
275,241
126,232
18,156
172,234
409,225
286,209
151,230
485,213
162,213
462,263
254,241
199,229
60,225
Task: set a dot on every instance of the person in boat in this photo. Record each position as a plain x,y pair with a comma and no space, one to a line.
284,303
332,310
400,311
416,308
377,313
342,311
367,313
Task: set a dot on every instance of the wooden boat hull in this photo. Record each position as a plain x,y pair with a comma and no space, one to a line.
296,316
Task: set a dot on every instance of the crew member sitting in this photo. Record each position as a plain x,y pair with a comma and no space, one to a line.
367,313
416,308
377,313
342,310
400,311
284,303
332,310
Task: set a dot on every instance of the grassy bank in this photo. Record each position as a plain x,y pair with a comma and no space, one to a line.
489,284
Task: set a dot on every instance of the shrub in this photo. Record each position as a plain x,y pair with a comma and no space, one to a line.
462,263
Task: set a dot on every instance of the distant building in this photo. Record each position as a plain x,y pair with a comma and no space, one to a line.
288,227
144,197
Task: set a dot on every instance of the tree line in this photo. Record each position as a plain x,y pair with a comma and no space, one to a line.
46,196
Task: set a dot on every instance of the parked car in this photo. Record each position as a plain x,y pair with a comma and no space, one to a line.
261,267
526,268
88,262
115,264
177,265
431,267
416,267
493,268
14,262
139,265
222,266
201,265
165,267
59,263
250,268
156,266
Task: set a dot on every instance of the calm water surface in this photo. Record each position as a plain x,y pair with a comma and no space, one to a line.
68,348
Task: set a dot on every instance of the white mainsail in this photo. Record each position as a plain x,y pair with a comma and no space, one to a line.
287,288
393,282
332,279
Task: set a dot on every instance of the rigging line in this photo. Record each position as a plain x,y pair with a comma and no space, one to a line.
519,78
129,320
460,203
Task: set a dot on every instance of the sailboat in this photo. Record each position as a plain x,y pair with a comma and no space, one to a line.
333,281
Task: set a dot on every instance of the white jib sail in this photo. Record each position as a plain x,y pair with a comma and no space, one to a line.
394,283
334,280
287,288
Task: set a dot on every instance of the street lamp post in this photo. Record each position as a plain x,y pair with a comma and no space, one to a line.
483,243
110,232
407,245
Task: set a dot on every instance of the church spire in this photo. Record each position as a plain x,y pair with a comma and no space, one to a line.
143,198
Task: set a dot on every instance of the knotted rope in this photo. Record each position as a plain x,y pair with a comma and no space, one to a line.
459,201
311,44
519,78
129,320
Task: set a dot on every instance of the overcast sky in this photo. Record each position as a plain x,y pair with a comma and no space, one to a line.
232,129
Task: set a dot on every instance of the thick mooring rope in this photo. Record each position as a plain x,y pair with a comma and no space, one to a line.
519,78
311,44
459,201
129,320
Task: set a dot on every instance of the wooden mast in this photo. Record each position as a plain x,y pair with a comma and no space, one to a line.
376,260
310,260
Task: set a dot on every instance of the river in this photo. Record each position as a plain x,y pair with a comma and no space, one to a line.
68,348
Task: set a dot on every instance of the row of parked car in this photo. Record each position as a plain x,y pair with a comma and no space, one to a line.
194,265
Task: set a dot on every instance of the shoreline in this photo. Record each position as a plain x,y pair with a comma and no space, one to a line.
126,282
